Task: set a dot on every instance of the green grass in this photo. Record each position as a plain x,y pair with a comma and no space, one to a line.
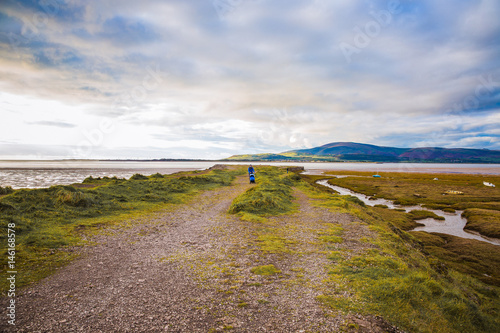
272,195
265,270
418,188
50,220
424,214
469,256
421,285
331,235
6,190
484,221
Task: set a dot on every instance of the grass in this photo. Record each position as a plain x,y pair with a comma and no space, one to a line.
272,195
481,203
419,188
418,281
469,256
424,214
331,234
265,270
49,221
484,221
6,190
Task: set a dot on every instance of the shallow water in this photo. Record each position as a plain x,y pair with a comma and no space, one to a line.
453,224
37,178
33,174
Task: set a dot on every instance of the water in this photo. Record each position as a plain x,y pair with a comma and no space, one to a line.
34,174
453,224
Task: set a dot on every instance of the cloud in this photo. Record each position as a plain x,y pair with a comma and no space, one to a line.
51,123
261,75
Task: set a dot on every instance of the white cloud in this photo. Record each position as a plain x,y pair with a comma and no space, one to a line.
268,76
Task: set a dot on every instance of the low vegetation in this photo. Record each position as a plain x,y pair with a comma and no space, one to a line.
411,279
265,270
49,221
6,190
418,281
424,214
481,203
272,195
484,221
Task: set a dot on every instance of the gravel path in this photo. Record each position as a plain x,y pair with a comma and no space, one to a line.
189,270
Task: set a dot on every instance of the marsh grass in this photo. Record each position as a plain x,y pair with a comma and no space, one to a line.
49,221
469,256
481,203
484,221
417,281
424,214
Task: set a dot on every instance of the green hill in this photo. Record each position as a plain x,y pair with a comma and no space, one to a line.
359,152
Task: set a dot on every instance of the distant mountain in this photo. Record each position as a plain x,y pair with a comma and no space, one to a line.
351,148
351,151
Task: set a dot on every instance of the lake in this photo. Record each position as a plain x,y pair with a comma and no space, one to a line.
36,174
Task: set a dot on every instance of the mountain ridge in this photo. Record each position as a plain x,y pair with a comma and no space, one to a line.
362,152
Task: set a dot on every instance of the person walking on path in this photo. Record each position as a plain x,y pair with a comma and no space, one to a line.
251,174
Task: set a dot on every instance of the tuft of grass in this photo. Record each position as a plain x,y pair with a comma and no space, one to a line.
331,235
271,196
381,206
424,214
265,270
6,190
270,242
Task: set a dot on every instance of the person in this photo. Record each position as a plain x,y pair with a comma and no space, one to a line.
251,174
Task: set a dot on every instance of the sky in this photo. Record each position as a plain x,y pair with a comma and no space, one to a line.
212,78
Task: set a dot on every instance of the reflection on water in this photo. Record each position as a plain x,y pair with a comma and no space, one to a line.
453,224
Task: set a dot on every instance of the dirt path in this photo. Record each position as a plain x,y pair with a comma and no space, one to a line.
189,270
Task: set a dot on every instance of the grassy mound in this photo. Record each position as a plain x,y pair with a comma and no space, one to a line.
271,196
424,214
6,190
484,221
